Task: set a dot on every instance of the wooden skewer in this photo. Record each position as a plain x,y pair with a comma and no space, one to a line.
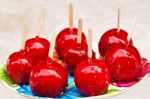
24,35
133,24
41,21
79,31
118,21
71,16
51,51
89,42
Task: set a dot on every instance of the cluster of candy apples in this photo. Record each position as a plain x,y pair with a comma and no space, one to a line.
120,61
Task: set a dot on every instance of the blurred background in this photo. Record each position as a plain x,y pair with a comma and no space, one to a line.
100,15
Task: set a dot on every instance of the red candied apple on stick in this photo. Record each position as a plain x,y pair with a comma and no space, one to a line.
92,75
77,53
113,37
50,79
38,46
68,36
124,61
19,64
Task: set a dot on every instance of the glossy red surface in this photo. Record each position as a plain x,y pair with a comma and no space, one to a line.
66,39
92,77
73,56
19,65
124,63
112,38
49,80
38,47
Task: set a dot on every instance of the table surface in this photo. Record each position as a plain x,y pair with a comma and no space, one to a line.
100,15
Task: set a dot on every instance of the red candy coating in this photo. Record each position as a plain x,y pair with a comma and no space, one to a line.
49,80
73,56
112,38
38,47
66,39
92,77
19,65
124,63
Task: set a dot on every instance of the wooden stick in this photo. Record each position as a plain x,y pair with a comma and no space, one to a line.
71,16
51,51
41,21
24,35
79,31
89,42
118,21
133,24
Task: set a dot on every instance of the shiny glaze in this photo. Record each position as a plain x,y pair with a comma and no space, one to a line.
66,39
112,38
124,63
19,65
38,47
73,56
92,77
49,80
